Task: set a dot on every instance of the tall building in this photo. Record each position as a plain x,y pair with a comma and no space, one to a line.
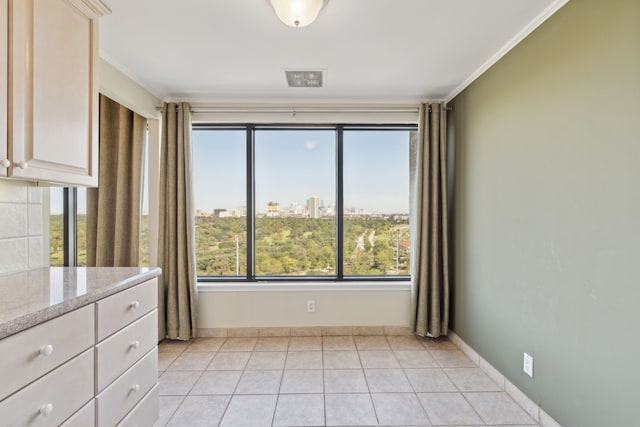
313,207
273,209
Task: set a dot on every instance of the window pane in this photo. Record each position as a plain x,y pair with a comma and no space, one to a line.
81,227
295,202
219,165
144,214
376,202
56,226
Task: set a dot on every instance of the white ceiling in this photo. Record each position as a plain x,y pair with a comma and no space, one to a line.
373,50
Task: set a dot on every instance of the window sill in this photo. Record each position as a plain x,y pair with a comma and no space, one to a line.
305,286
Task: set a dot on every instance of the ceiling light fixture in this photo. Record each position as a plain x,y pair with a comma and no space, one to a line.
298,13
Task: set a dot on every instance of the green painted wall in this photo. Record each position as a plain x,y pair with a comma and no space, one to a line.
546,226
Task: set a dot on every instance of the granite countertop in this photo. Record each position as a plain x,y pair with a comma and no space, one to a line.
34,296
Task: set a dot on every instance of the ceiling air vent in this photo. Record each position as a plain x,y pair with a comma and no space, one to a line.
304,78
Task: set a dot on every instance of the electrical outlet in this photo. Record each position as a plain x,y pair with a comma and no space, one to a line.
527,365
311,306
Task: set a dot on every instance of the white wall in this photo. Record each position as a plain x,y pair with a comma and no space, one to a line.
23,232
273,305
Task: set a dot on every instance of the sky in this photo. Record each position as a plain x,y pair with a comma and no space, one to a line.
293,165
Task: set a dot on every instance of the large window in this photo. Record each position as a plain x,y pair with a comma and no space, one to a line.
327,202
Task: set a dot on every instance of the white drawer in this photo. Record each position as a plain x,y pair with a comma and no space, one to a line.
117,353
66,389
85,417
118,399
23,355
118,310
146,413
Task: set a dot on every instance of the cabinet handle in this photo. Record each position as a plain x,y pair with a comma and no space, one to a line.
46,410
135,345
135,388
135,305
5,163
46,350
22,164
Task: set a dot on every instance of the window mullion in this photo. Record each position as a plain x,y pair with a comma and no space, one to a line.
339,203
251,214
70,225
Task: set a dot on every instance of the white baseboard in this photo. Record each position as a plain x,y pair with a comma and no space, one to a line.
532,408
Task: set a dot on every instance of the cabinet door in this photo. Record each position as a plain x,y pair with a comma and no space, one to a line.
4,43
53,91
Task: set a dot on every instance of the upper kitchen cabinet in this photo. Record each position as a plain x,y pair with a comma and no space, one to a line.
4,45
52,99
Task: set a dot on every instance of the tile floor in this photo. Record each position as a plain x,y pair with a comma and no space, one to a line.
331,380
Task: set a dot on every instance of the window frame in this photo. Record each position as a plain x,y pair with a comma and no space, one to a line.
338,128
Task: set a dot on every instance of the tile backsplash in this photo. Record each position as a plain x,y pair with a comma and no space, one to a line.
22,239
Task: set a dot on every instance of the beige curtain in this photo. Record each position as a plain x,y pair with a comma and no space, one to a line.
176,240
113,209
429,260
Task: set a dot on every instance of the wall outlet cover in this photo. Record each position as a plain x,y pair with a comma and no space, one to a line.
527,365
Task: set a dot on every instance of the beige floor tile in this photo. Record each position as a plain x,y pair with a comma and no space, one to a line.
266,360
338,343
387,381
239,344
250,411
350,410
368,330
242,332
306,331
399,408
405,343
305,344
304,360
415,359
299,410
216,382
165,359
302,381
229,361
345,381
471,379
274,332
272,344
438,344
173,346
378,359
452,359
448,408
429,380
191,361
177,383
259,382
337,330
371,343
498,408
341,360
205,344
168,406
196,411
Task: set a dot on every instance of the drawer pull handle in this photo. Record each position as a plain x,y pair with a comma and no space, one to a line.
135,345
5,163
135,305
46,350
22,164
46,410
135,388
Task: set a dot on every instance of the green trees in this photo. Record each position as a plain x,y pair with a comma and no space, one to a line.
302,246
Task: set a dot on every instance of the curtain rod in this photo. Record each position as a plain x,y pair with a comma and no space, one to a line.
313,110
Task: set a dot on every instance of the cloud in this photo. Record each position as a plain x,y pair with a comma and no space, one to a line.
310,145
